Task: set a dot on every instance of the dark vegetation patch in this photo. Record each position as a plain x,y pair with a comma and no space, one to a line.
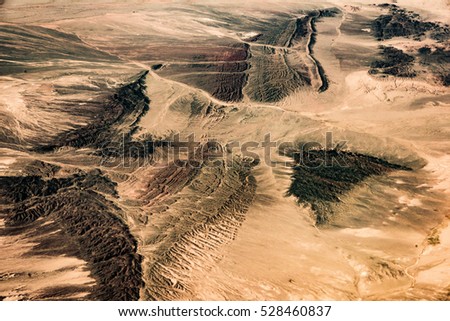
394,62
402,23
321,177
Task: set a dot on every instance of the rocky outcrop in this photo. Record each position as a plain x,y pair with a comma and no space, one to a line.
196,212
115,125
82,223
394,62
402,23
321,177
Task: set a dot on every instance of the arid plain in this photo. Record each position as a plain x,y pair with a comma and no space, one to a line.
95,205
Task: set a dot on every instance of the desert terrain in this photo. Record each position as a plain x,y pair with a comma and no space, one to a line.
224,150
